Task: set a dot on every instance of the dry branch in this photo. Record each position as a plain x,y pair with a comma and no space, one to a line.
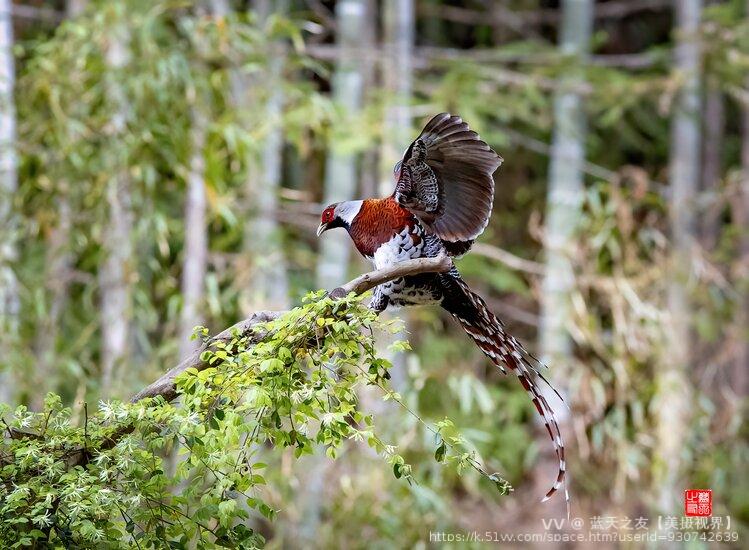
372,279
608,10
509,259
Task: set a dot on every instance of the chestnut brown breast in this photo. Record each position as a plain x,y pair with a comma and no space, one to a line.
377,222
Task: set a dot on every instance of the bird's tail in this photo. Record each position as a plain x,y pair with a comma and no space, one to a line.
488,332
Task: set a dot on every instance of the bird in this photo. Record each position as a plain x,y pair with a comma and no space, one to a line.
442,201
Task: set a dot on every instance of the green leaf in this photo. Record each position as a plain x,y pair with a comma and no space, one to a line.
439,454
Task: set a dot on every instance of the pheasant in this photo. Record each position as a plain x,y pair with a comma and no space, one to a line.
442,202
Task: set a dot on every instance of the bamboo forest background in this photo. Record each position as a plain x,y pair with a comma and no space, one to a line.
164,163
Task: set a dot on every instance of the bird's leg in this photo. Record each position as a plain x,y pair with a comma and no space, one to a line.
379,300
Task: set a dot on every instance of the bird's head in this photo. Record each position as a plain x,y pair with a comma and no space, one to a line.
340,214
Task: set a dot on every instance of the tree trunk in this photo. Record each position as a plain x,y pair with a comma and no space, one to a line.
673,387
712,168
566,187
220,8
740,214
73,8
340,173
264,282
369,184
564,199
340,184
58,265
58,268
196,238
397,74
9,299
268,287
114,275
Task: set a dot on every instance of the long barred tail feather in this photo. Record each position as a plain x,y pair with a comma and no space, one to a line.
489,334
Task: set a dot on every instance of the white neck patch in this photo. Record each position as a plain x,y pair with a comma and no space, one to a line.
348,210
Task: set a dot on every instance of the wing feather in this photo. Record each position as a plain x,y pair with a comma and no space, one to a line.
445,179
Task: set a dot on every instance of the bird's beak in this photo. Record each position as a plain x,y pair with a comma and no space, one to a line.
322,227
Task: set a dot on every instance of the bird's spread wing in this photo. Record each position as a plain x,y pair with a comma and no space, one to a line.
445,179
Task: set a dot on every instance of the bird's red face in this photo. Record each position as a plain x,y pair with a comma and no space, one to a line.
328,214
328,219
340,214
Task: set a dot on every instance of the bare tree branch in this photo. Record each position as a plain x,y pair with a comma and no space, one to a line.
509,259
38,13
607,10
425,57
368,281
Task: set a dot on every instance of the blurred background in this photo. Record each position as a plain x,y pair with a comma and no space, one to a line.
163,164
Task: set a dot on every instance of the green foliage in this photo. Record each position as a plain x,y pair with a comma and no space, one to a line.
290,383
182,61
178,62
